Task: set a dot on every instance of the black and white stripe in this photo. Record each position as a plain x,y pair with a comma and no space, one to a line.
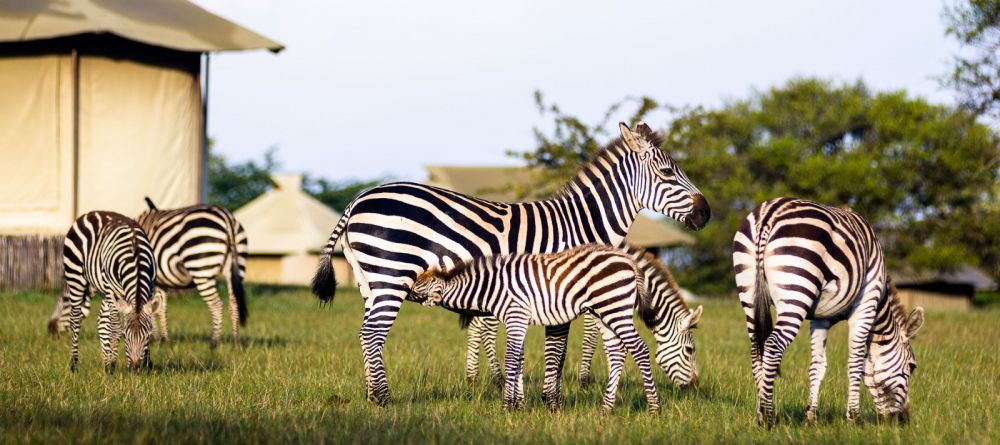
825,264
396,231
193,246
672,328
108,253
551,290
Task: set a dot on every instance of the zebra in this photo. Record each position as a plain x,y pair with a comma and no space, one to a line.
109,253
672,328
551,289
192,245
825,264
394,232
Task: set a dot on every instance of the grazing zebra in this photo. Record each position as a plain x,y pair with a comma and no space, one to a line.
394,232
193,245
673,329
821,263
551,289
109,253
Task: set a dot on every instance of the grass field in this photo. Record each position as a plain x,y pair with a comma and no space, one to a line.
298,378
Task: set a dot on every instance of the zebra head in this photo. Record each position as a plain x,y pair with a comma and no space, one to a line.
136,324
675,348
427,289
890,364
659,183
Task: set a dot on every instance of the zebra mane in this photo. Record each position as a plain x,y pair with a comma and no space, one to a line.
661,269
608,152
895,305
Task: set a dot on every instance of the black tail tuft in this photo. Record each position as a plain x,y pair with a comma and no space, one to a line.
324,283
236,282
54,327
646,310
464,320
763,325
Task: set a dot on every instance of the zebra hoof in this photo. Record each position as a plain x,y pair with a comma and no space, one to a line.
110,368
72,364
654,409
811,416
553,402
586,380
379,396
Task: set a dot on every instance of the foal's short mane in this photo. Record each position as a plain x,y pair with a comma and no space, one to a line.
607,152
895,304
662,270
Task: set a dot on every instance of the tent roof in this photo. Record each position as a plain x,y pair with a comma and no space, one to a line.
963,275
492,183
286,220
175,24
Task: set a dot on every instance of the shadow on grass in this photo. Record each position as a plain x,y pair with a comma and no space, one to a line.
187,367
245,341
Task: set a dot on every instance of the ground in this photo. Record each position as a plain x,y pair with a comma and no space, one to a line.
297,377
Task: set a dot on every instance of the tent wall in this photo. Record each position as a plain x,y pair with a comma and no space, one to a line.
36,144
139,132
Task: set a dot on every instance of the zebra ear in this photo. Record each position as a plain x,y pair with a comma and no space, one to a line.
149,202
630,138
694,318
914,322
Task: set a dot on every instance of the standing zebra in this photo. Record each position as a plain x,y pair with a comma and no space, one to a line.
192,245
108,253
821,263
551,290
672,327
396,231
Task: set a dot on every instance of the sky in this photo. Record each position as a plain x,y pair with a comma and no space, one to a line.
378,89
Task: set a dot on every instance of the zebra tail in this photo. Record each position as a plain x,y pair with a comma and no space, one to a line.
236,279
464,320
324,283
763,325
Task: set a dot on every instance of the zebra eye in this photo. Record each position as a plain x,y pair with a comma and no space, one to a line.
689,350
667,171
913,367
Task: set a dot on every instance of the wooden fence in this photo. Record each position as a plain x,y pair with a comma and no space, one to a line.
30,262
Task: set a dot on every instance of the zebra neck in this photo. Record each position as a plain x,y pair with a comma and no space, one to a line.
888,319
593,208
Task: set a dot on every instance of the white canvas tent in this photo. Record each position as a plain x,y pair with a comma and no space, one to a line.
102,105
286,228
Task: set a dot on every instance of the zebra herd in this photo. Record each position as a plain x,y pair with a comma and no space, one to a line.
544,262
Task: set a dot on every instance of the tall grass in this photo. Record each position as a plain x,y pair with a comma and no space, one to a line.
297,377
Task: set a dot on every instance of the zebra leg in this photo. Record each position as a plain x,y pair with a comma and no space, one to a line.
381,310
513,389
859,330
491,326
108,332
629,337
616,361
234,309
555,355
591,331
818,330
787,325
475,339
208,292
162,314
79,293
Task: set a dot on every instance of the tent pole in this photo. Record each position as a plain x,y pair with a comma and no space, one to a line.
75,60
204,136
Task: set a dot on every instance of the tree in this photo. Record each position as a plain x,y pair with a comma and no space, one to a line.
976,73
915,170
233,185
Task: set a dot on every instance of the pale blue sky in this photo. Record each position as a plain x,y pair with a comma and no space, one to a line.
379,88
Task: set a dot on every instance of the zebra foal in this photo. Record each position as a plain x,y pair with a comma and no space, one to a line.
825,264
109,253
550,290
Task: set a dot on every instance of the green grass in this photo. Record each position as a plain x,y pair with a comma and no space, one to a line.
298,378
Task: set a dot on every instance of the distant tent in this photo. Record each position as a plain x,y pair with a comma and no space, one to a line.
103,104
286,229
495,183
932,290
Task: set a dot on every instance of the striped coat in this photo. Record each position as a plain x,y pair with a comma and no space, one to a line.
394,232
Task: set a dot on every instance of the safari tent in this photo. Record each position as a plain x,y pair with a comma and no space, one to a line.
946,291
501,183
103,103
286,229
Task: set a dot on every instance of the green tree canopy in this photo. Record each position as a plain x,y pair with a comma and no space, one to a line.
917,171
976,71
